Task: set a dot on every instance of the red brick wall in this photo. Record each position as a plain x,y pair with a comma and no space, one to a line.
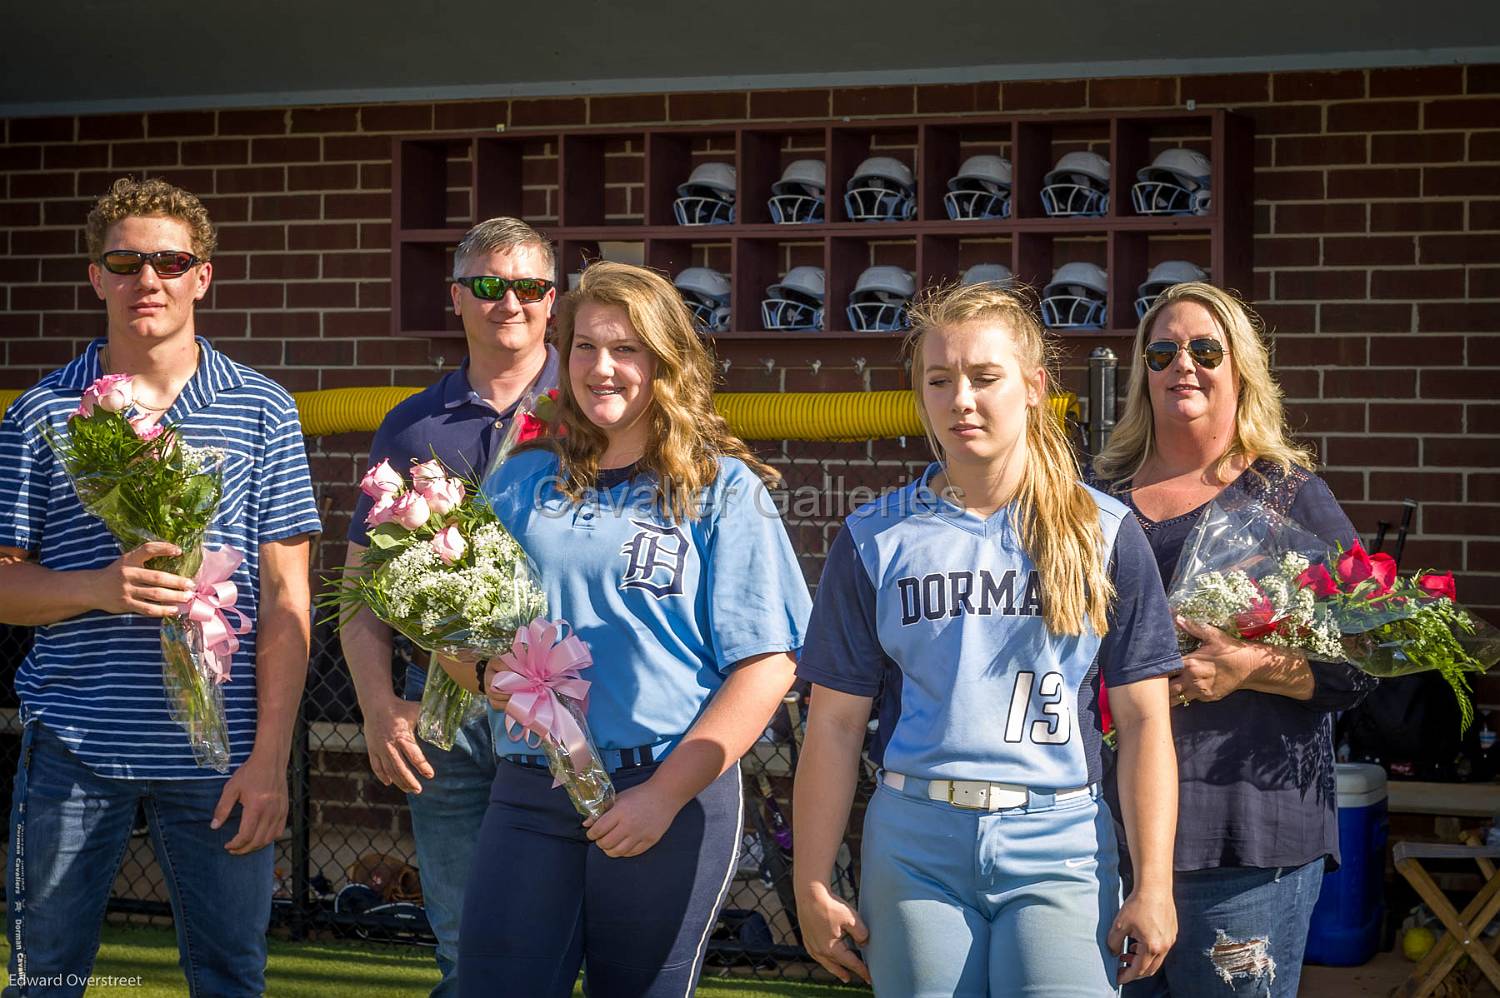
1377,253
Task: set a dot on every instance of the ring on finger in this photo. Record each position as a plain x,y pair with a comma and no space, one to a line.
1182,700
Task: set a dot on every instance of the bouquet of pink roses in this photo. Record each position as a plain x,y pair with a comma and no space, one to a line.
441,570
1263,577
145,484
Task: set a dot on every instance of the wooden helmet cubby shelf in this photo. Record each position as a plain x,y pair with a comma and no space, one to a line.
591,189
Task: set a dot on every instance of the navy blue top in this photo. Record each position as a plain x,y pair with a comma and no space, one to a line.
1258,784
449,420
951,603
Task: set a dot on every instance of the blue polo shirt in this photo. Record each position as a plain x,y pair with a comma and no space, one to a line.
448,420
95,679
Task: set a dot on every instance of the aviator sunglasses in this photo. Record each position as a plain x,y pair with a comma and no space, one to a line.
1207,352
527,289
166,263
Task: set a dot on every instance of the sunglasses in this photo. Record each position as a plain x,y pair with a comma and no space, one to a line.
527,289
166,263
1207,352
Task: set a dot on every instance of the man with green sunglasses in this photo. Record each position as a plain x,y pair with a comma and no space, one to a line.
502,291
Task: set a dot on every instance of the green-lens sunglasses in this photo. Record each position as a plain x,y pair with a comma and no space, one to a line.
488,288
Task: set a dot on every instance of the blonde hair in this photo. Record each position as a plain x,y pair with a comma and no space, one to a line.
687,436
1260,430
1056,518
132,198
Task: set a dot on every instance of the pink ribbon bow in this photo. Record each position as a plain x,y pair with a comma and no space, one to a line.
540,668
213,599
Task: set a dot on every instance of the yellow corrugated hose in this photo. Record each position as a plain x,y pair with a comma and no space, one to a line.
751,415
833,415
347,410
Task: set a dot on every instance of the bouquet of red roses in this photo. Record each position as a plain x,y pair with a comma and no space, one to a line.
1261,576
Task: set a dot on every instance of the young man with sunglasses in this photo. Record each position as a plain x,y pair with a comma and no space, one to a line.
98,739
502,290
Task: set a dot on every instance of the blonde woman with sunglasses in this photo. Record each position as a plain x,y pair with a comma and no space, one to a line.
1256,825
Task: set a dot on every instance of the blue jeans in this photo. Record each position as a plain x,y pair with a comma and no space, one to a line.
445,820
70,828
1240,931
970,903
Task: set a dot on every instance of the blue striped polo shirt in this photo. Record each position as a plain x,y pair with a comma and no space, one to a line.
95,679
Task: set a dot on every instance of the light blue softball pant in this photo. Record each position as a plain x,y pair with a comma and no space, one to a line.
971,904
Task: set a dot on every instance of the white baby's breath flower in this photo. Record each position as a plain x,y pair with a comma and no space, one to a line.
1216,598
1293,564
199,460
478,606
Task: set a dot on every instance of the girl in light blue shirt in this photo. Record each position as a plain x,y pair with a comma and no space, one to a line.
657,540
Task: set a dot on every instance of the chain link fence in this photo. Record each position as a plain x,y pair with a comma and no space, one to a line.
347,863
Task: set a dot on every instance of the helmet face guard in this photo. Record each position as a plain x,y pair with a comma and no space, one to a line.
709,318
1072,311
1164,275
1065,199
978,203
1168,197
877,316
790,209
786,314
1147,294
703,211
879,204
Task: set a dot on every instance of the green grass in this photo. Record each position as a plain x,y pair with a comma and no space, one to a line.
330,969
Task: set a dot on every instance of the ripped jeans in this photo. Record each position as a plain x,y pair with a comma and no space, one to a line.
1240,931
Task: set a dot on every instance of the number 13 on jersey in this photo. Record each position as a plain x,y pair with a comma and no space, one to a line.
1055,726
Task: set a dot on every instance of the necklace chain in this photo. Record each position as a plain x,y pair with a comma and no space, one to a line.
104,366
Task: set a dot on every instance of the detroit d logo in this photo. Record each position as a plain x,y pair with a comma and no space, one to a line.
654,559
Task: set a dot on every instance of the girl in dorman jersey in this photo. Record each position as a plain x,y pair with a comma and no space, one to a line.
1003,590
657,541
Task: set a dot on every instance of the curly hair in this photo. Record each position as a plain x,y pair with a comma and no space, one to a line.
1056,519
1260,427
129,197
687,436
